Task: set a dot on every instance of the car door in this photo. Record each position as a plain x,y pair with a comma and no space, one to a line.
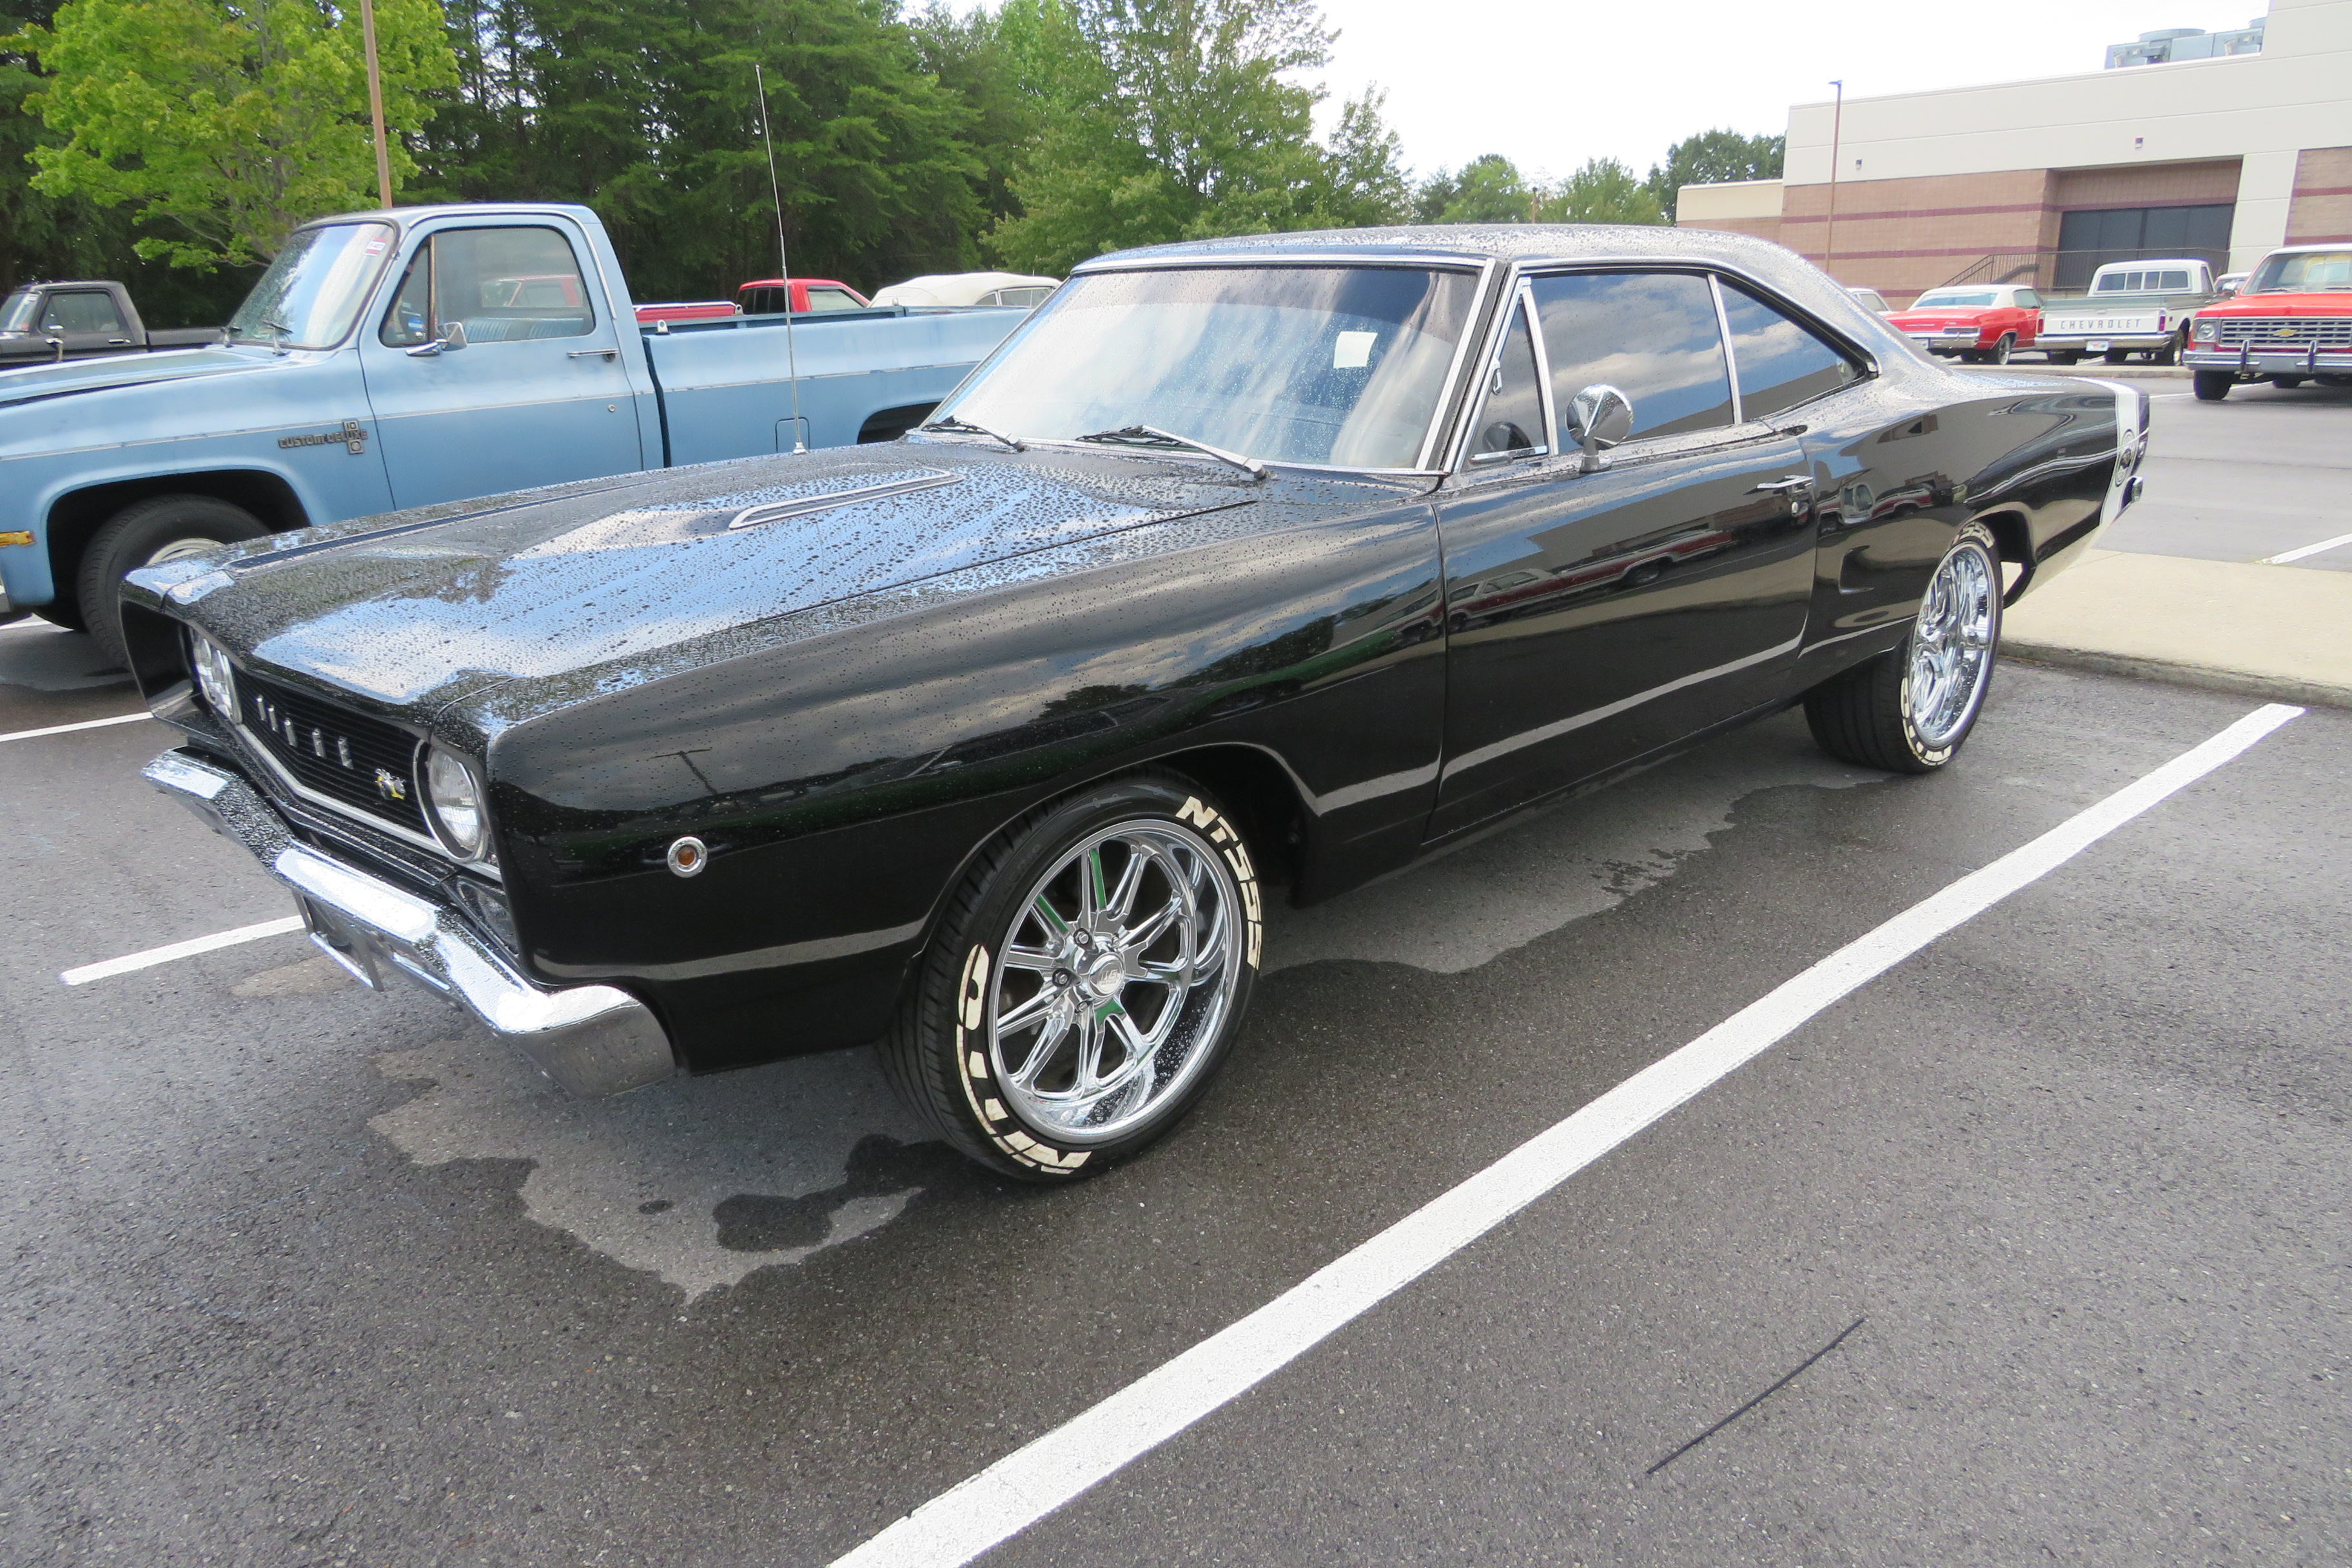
1594,616
87,322
537,392
2029,324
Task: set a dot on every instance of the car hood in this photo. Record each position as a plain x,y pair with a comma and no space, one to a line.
32,383
417,610
2335,302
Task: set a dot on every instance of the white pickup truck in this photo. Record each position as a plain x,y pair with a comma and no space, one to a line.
2133,307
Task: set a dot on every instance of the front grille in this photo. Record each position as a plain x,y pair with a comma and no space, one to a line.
361,763
2285,331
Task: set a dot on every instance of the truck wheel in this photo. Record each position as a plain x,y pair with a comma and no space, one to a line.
2211,386
1087,981
2288,381
1908,711
148,533
2170,353
2116,356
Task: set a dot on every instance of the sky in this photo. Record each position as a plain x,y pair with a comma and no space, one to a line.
1550,85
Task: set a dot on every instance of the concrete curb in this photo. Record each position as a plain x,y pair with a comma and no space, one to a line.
2237,682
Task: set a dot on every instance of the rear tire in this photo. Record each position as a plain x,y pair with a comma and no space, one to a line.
64,612
2289,382
2000,351
2065,358
148,533
1087,983
1908,711
2211,386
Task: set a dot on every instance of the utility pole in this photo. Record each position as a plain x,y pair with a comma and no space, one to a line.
375,103
1837,130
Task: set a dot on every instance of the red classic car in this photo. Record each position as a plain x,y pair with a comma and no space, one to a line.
1981,322
765,296
2291,323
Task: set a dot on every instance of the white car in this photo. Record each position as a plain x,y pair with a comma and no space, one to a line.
967,288
1872,299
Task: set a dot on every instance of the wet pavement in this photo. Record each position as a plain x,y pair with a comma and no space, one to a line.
296,1274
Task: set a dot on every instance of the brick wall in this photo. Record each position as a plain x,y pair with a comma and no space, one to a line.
1900,237
2322,208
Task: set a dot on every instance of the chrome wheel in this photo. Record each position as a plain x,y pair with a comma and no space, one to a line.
1114,980
1951,647
180,550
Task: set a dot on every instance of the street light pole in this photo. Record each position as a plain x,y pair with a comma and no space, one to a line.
375,103
1837,129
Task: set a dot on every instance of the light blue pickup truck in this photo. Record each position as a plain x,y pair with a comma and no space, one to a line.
398,359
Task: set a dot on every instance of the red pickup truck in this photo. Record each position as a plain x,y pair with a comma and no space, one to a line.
1980,322
761,297
2291,323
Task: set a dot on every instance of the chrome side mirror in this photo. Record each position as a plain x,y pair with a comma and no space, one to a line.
1599,417
451,338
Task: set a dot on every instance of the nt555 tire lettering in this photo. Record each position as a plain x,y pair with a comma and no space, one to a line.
1088,979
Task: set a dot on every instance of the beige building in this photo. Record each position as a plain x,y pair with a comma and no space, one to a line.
2039,182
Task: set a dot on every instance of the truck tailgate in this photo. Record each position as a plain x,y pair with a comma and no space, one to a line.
2143,322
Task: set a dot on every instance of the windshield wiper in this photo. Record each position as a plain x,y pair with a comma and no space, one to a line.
952,423
1151,435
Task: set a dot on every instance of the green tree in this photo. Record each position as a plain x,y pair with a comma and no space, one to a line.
1714,157
225,127
1178,120
1602,191
1489,189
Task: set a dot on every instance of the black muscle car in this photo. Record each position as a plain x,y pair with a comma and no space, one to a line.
1252,563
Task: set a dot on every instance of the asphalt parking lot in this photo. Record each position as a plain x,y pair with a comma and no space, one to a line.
2258,475
2048,1221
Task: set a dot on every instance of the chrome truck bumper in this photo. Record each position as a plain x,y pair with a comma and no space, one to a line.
593,1039
2306,359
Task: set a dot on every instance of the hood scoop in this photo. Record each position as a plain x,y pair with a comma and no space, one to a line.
778,512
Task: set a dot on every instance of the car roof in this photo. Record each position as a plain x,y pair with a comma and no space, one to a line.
1521,242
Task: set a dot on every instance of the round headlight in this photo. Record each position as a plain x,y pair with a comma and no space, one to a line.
215,678
454,796
2205,331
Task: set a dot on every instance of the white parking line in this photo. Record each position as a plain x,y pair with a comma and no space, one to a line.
69,729
188,949
2337,542
1032,1482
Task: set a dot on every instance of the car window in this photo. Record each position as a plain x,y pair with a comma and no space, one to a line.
1782,364
82,311
1028,296
1652,335
833,299
18,315
1511,424
2174,280
502,285
2026,299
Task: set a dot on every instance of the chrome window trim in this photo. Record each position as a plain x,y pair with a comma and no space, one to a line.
1427,462
1723,340
1519,299
1453,260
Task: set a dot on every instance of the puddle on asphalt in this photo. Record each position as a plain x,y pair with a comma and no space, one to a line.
702,1180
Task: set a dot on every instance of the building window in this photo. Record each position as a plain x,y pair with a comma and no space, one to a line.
2089,240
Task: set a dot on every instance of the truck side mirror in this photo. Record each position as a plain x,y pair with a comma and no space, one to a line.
1599,417
451,338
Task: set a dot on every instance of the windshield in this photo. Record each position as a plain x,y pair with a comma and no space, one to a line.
1335,366
2306,271
1933,300
17,315
314,290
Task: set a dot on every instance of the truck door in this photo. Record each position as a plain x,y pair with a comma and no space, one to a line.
496,368
88,322
1592,617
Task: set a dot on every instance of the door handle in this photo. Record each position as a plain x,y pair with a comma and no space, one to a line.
594,353
1782,487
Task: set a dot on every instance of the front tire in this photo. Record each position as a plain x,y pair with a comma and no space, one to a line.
2211,386
148,533
2170,353
1087,983
1909,710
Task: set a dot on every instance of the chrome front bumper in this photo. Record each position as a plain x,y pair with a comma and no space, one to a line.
2308,360
593,1039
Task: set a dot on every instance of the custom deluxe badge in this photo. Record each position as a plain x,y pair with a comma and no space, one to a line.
351,437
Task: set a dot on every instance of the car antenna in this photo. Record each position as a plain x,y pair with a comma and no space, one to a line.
783,263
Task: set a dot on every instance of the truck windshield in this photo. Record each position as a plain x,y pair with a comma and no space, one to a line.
17,315
2302,272
315,290
1335,366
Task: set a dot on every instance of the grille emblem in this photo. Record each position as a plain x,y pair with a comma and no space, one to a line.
391,785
